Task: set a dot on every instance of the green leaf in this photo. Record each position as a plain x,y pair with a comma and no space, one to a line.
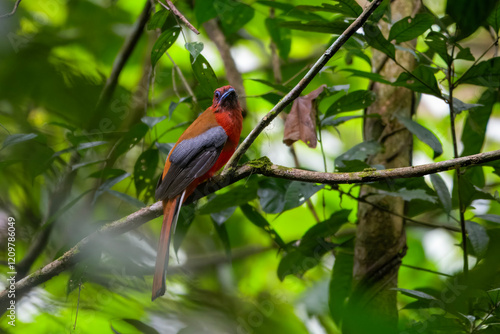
340,284
297,262
410,28
233,15
221,230
356,100
163,43
127,198
141,326
376,40
85,164
442,192
280,36
478,237
415,294
475,125
277,195
470,186
278,87
131,138
358,152
272,98
438,43
299,192
465,54
459,106
291,11
238,195
158,19
205,75
476,14
17,138
222,216
494,18
78,276
108,184
490,217
421,80
194,49
358,53
336,120
354,166
336,27
152,121
423,134
173,105
485,73
107,173
204,11
347,7
81,146
380,11
258,220
164,147
368,75
410,194
272,194
144,172
324,229
424,200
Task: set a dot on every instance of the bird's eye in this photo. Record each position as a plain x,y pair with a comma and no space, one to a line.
217,94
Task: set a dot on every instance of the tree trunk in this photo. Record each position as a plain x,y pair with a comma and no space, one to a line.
380,237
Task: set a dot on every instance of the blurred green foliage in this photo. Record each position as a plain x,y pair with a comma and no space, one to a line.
78,153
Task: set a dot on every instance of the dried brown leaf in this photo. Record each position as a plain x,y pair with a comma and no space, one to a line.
301,121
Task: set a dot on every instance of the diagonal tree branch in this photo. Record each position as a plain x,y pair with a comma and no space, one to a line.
13,10
170,6
232,74
295,92
262,166
122,57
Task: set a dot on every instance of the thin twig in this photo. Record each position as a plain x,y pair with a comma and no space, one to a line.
13,10
461,206
308,202
381,208
78,303
232,74
121,59
495,43
183,79
426,270
174,10
295,92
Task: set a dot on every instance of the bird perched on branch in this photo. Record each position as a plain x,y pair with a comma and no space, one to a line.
205,146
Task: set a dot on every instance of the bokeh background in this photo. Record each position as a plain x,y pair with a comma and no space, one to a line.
83,159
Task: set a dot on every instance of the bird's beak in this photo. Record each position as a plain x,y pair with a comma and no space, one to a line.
226,94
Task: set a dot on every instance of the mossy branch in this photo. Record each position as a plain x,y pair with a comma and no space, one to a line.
262,166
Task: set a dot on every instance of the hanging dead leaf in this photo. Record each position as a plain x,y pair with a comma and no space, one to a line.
301,121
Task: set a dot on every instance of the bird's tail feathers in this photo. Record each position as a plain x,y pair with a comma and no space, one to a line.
171,210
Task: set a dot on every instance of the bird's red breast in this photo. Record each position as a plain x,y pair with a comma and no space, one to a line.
221,122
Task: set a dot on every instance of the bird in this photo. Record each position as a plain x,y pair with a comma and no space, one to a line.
204,148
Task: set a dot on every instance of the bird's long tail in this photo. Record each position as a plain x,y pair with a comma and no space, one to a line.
171,210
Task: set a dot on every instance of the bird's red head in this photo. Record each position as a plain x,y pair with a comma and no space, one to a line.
225,98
